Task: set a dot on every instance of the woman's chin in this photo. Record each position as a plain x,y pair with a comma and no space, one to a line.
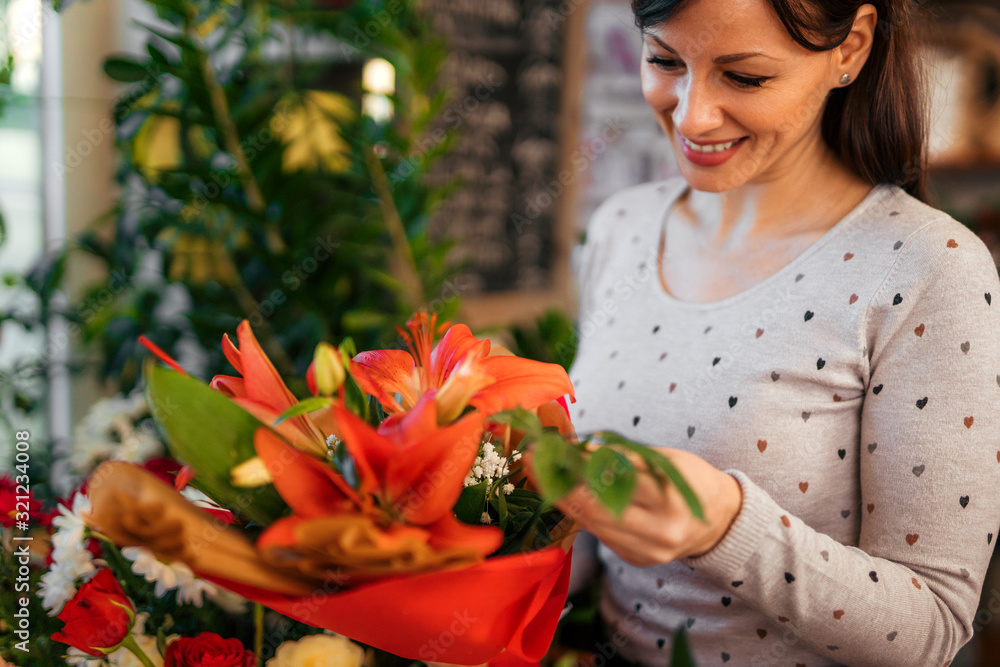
712,179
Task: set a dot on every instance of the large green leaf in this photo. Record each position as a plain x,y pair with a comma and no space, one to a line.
558,466
657,462
611,477
210,433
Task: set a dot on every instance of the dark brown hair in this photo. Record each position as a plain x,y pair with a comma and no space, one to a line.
877,124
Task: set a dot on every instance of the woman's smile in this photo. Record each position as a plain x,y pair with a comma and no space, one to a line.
709,154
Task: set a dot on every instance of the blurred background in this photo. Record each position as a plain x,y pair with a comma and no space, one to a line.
170,167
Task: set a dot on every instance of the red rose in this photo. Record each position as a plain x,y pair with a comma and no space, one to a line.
9,508
163,467
208,650
98,618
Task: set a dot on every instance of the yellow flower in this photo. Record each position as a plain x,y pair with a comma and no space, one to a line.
318,651
309,128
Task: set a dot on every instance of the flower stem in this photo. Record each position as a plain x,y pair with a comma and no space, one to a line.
131,645
258,635
403,264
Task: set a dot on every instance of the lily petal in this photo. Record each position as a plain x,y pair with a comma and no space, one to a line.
292,430
262,381
453,348
232,354
523,383
310,487
370,450
228,385
554,414
448,532
413,424
425,479
383,374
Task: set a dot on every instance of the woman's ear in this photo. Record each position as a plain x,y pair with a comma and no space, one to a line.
851,55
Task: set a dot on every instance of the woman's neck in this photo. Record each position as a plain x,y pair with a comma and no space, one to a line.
807,195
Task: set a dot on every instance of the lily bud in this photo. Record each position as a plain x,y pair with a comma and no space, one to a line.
250,473
328,369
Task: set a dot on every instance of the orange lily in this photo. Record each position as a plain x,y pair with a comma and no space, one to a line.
261,392
461,368
410,473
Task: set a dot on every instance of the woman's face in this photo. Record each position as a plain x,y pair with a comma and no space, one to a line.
740,100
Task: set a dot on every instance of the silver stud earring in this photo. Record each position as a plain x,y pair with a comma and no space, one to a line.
846,79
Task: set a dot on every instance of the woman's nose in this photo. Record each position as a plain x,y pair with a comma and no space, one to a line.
698,108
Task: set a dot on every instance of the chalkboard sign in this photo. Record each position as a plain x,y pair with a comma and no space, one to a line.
507,78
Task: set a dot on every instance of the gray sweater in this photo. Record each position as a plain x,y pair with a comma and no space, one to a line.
855,396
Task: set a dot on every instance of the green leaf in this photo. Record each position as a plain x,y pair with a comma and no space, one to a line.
180,40
210,433
355,320
680,654
355,398
558,466
126,69
658,462
157,55
611,477
471,503
502,510
304,406
348,350
522,420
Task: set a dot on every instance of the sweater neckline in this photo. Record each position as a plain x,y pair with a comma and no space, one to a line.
876,194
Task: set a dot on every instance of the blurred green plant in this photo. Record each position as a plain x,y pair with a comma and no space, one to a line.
254,187
551,338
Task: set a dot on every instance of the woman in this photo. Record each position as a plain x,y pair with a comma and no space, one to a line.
814,345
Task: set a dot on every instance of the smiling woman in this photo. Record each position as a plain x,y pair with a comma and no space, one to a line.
819,350
782,73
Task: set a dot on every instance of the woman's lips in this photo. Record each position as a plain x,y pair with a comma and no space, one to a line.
713,159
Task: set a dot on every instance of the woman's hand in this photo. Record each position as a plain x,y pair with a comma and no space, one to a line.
658,527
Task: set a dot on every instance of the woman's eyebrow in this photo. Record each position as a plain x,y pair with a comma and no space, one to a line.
720,60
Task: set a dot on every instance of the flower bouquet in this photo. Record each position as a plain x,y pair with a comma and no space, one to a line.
392,506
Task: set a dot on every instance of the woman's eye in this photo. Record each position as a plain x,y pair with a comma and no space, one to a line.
663,63
747,81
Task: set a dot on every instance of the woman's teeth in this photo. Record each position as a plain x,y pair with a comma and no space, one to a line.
710,148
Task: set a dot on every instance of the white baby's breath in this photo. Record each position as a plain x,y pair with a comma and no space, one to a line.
490,467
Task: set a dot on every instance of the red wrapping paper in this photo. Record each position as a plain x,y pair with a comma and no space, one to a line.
466,616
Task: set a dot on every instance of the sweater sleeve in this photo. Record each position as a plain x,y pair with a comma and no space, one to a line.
929,469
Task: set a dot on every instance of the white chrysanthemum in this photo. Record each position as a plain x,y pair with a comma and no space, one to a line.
108,431
169,576
71,559
199,499
232,603
59,584
70,526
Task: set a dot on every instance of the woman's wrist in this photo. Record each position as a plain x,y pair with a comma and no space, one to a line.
729,504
